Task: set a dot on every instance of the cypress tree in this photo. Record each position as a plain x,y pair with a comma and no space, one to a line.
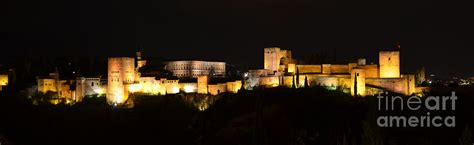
293,85
306,82
297,77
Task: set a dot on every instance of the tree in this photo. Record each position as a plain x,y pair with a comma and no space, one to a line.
466,137
355,84
282,81
371,131
293,84
306,82
297,77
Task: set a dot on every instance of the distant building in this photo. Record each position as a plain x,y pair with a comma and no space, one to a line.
195,68
47,85
175,76
88,86
3,81
52,84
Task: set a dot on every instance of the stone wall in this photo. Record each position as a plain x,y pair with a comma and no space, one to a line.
398,85
269,81
309,68
339,68
87,87
371,71
188,87
234,86
215,89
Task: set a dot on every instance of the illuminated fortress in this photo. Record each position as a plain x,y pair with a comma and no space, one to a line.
358,78
124,77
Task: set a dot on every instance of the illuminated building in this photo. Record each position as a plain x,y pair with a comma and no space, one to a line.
61,88
121,74
195,68
3,80
280,69
47,85
276,59
88,86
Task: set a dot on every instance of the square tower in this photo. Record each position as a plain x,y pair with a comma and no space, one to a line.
271,58
202,84
389,64
121,73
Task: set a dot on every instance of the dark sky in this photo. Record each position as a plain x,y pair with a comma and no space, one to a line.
435,34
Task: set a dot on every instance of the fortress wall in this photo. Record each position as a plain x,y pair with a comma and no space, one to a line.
319,79
339,68
326,68
269,81
398,85
287,81
422,89
171,86
410,79
234,86
371,71
351,66
215,89
188,87
325,81
309,68
148,85
345,82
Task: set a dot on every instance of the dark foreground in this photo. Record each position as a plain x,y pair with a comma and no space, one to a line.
278,116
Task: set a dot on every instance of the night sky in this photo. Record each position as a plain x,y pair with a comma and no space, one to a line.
435,34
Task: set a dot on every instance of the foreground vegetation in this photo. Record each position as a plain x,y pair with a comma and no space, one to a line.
308,116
